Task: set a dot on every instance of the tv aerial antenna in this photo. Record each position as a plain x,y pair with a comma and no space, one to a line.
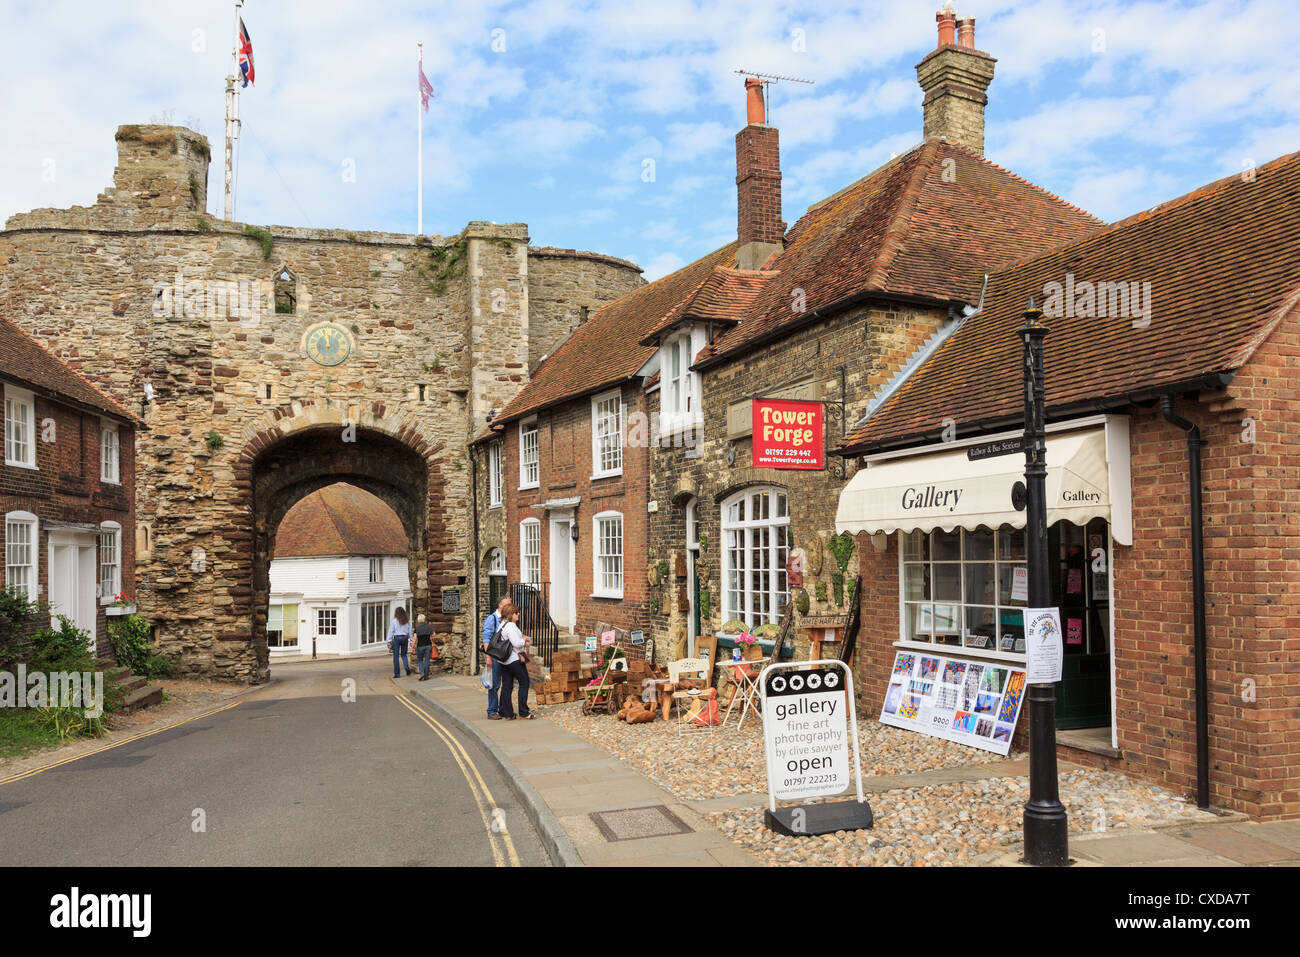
768,79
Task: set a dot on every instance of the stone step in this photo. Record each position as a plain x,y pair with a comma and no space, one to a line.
142,697
130,682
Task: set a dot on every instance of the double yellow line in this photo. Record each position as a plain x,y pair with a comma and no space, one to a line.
116,744
493,817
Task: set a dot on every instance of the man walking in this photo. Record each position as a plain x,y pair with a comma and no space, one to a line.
490,626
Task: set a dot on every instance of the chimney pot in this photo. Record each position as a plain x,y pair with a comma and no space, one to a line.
966,32
947,19
755,109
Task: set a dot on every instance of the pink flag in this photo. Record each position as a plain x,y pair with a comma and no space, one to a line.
426,88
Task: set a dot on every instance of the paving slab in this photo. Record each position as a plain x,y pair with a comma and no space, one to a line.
1244,843
564,779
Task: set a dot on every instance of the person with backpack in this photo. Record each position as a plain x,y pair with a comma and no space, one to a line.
399,635
491,670
515,667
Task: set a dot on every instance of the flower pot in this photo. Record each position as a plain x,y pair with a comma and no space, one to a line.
113,610
752,652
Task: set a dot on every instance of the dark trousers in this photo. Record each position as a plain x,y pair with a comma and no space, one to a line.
422,657
515,671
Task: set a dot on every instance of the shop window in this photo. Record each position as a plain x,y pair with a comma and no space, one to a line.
282,626
20,427
530,536
20,554
965,588
494,475
374,622
607,435
755,545
608,571
528,466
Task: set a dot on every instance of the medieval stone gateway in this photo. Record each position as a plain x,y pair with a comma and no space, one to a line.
281,360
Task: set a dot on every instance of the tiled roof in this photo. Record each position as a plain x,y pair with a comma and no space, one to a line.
724,297
1223,267
607,347
340,520
927,224
25,361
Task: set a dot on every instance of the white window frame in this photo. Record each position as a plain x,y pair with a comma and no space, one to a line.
334,626
530,527
529,465
680,405
27,521
495,476
961,604
772,556
373,620
282,606
110,454
497,562
601,434
20,415
375,569
608,580
113,532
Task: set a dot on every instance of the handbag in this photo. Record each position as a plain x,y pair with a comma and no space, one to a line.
499,646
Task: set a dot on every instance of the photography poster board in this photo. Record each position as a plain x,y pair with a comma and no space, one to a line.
969,702
806,733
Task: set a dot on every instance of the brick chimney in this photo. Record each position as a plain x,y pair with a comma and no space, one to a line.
955,77
759,226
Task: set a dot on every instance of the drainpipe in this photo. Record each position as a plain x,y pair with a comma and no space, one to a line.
1194,444
473,618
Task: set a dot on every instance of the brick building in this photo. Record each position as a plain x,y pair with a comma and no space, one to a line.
1161,336
67,487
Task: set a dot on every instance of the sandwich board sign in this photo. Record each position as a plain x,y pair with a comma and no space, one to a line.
810,737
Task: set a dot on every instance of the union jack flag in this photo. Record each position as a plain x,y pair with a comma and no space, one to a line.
245,54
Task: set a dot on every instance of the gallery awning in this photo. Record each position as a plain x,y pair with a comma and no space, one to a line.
1087,478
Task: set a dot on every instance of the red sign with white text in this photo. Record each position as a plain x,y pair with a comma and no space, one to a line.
788,434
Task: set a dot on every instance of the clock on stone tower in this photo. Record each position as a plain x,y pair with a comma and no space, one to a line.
328,345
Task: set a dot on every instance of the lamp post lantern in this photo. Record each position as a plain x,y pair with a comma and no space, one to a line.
1045,821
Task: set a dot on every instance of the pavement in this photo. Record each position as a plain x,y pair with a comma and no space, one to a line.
588,807
300,772
591,809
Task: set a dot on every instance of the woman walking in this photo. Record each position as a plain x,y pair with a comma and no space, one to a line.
399,635
515,668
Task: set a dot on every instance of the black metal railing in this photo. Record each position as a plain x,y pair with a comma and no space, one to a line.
533,599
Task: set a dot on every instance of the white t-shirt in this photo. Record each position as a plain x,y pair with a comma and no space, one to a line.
516,638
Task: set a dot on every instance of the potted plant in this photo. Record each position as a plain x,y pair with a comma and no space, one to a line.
749,647
123,604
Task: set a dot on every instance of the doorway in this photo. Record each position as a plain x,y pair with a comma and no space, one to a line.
692,579
563,595
73,581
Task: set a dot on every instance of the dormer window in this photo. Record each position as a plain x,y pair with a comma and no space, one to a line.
680,403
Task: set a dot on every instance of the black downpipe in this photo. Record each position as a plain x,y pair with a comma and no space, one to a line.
1194,444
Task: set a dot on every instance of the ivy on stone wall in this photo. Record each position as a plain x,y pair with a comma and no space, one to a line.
445,264
262,237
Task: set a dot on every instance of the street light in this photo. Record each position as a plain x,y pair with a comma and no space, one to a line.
1045,822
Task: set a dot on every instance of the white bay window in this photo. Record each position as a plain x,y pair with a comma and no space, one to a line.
755,546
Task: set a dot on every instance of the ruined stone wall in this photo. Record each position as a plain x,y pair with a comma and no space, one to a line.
144,289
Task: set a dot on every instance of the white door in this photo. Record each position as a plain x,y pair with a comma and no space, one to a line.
73,580
562,584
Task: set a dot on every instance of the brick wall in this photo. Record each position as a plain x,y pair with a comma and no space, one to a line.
565,471
66,487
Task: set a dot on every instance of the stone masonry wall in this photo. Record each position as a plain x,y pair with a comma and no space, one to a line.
857,351
565,287
142,289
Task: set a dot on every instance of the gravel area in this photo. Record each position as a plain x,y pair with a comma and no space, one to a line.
960,823
698,765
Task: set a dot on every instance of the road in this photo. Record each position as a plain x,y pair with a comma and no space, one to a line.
293,774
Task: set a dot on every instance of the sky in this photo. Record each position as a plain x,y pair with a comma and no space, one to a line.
610,126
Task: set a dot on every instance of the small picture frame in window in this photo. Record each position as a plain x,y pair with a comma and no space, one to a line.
1020,645
1008,643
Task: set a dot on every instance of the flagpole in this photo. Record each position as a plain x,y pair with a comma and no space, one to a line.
419,146
232,118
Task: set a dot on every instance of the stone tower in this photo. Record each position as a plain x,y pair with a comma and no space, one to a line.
283,360
955,77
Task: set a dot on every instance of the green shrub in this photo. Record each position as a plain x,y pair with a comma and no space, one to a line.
130,638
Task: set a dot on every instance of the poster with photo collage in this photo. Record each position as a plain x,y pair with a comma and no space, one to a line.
970,702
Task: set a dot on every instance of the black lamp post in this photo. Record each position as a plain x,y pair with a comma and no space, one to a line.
1045,821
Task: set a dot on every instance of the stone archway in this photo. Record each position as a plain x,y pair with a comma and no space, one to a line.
308,448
